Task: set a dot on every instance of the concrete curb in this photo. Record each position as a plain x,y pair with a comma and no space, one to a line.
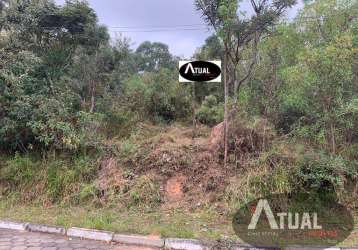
12,225
255,248
139,240
312,248
185,244
168,243
46,229
90,234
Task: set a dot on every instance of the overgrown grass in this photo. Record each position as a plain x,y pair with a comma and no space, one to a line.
28,179
203,223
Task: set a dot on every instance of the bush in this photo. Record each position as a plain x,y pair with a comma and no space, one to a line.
89,130
157,96
32,115
287,117
210,112
120,121
18,171
323,173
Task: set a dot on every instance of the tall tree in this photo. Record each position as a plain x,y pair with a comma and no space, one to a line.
239,33
324,77
154,56
38,104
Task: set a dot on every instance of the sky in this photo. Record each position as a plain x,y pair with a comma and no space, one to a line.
180,25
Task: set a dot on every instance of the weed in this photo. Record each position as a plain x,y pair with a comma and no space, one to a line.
128,149
256,183
19,170
89,192
323,173
145,192
99,221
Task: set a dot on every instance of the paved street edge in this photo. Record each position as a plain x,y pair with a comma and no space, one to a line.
138,240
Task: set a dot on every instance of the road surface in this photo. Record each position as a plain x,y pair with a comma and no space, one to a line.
17,240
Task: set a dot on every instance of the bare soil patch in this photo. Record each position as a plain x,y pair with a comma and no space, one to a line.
174,189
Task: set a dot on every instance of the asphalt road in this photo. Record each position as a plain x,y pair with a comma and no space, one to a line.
16,240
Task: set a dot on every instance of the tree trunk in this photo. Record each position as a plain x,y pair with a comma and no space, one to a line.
93,101
333,138
226,125
93,86
194,115
236,87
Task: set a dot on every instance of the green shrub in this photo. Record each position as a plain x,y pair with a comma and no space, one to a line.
157,97
287,117
90,134
88,192
19,170
323,173
210,112
120,121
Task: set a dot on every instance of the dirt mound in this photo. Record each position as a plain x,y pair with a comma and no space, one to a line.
189,171
216,137
186,167
245,138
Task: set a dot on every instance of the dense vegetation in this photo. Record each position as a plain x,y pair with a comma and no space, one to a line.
60,74
71,98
